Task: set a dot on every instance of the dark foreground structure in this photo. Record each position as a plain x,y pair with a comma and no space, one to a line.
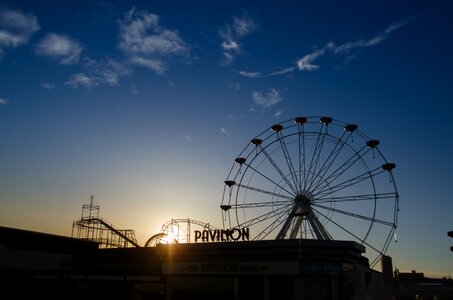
42,266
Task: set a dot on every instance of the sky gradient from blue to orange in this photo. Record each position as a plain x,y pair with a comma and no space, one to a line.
146,104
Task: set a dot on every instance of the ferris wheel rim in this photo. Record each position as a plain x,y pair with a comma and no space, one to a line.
292,193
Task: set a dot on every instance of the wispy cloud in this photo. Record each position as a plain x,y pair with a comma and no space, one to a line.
233,33
3,101
48,86
146,43
60,47
187,137
82,80
278,114
134,89
107,71
350,45
234,86
156,65
250,74
308,61
282,71
400,23
263,75
271,98
16,28
110,71
243,25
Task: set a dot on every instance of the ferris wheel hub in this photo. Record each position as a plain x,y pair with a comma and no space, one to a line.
303,200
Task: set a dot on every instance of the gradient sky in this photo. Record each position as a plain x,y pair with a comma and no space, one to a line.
146,104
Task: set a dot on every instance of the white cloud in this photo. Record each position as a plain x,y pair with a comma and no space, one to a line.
156,65
262,75
81,79
3,101
233,33
400,23
271,98
307,62
360,44
278,114
148,44
244,25
60,47
48,86
223,130
228,58
250,74
282,72
16,28
230,45
109,71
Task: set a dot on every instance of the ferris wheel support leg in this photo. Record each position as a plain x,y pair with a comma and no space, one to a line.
320,232
302,212
282,233
296,227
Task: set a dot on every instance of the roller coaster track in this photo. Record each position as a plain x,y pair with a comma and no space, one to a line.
94,227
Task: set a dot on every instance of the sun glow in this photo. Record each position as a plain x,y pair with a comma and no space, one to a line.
169,238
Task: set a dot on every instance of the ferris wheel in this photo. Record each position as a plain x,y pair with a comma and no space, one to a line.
313,178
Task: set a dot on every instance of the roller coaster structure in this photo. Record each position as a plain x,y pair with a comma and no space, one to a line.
94,228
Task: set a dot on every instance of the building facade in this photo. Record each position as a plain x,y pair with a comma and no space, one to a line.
54,267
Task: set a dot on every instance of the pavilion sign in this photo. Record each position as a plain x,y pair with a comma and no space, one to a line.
222,235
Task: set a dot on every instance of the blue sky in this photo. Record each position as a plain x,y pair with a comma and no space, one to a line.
145,105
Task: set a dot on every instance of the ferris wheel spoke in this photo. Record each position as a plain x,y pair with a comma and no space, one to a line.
288,160
331,158
270,180
385,247
315,157
271,227
276,167
351,161
263,217
301,154
251,188
260,204
363,241
347,183
356,198
316,175
354,215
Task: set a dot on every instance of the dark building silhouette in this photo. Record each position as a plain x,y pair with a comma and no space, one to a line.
44,266
414,285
